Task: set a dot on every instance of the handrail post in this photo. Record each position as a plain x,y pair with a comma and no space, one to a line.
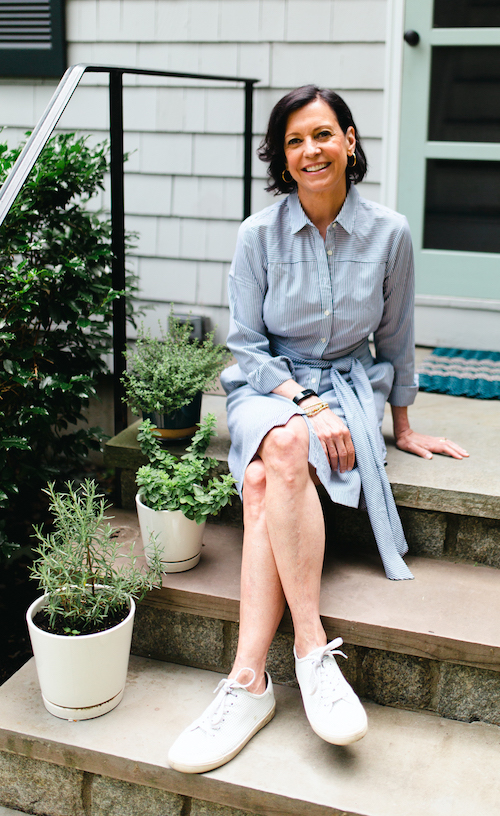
118,244
247,162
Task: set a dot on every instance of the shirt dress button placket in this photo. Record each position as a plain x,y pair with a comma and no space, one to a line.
327,291
321,321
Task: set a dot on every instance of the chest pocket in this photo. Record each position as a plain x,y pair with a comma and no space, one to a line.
293,298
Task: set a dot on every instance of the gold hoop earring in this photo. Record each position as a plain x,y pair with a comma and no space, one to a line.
287,181
352,156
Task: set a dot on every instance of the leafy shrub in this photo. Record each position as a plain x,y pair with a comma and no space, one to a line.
55,311
168,371
77,564
187,483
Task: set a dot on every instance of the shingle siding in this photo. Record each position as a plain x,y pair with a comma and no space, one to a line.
183,178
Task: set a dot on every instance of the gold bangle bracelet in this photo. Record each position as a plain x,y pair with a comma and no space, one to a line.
312,410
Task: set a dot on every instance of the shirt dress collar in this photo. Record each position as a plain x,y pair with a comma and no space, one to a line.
346,216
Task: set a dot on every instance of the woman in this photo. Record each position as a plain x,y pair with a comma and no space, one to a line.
313,276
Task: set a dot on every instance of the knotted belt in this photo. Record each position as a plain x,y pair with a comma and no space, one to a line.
355,395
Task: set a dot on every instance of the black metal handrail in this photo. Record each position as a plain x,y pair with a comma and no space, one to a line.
39,138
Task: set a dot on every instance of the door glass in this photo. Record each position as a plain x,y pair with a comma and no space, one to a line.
466,14
462,206
465,94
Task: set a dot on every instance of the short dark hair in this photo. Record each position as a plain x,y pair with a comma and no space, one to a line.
272,150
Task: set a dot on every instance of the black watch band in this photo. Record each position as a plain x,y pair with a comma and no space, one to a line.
302,395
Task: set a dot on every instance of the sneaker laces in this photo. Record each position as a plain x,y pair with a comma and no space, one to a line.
327,676
214,715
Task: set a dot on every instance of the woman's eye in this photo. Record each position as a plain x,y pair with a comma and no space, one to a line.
293,142
324,134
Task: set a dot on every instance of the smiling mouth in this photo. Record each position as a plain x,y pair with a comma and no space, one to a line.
315,167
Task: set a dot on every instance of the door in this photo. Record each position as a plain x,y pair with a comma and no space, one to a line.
449,172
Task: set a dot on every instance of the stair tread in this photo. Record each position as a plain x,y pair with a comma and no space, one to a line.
468,487
408,763
449,612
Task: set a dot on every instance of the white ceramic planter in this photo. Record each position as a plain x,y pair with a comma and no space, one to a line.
81,677
178,538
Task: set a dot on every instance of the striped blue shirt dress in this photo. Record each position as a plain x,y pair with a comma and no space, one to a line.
303,308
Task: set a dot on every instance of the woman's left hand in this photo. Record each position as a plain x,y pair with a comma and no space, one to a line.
425,446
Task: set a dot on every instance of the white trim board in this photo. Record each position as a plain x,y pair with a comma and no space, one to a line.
393,82
468,326
444,301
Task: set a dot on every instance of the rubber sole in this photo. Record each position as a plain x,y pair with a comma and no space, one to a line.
221,760
347,739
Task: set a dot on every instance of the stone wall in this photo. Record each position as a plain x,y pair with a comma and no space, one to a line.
35,787
451,690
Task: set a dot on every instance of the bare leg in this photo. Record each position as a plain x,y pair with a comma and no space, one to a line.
283,549
262,599
296,528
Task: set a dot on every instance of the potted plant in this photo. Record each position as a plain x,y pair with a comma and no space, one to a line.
168,374
176,494
81,627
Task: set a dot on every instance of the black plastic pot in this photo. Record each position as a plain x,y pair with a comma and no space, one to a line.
180,425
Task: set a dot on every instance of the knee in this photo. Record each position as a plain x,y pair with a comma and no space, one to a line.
254,491
288,442
254,485
285,450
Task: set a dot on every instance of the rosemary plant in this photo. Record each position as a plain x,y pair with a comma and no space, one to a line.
188,483
77,566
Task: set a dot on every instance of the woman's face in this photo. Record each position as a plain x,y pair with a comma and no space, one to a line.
316,150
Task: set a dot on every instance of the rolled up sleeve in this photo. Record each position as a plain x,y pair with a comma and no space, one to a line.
395,336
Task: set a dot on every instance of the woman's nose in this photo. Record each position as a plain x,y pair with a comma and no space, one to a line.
311,147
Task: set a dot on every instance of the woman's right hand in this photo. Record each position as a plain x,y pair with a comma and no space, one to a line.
335,438
333,434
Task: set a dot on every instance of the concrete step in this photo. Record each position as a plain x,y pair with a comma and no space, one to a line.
409,763
432,643
449,508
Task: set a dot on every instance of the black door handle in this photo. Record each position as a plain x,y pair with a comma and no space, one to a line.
412,37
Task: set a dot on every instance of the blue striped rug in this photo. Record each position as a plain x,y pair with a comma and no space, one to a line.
461,373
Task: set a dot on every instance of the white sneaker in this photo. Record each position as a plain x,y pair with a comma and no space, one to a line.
224,728
332,708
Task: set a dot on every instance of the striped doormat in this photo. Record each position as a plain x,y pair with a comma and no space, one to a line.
461,373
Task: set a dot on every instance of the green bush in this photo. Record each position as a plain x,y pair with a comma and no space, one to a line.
55,314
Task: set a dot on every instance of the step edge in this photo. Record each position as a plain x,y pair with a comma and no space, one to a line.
457,502
356,633
197,786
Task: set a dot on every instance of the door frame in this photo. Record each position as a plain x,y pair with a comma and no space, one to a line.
441,319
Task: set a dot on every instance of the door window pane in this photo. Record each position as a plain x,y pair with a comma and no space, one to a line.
462,206
466,13
465,94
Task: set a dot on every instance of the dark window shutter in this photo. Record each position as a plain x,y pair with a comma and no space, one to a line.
32,38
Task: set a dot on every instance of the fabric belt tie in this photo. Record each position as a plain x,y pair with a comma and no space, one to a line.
355,395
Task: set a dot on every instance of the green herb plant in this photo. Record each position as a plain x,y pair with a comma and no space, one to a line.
77,563
167,372
56,299
188,483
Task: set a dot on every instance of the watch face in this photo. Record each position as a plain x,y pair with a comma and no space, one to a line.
308,392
